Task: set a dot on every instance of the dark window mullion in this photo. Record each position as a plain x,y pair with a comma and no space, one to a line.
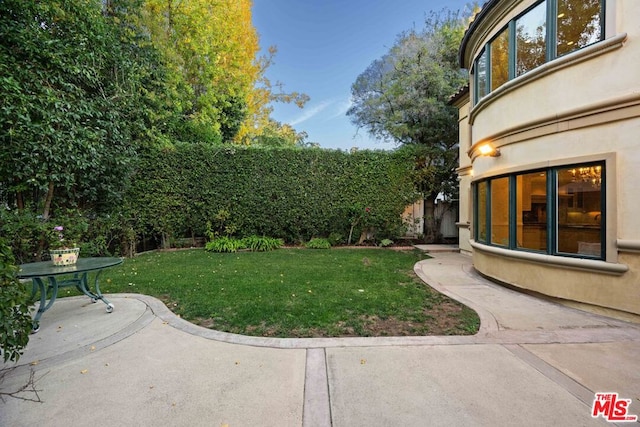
487,89
512,49
603,17
513,216
488,213
552,29
476,199
603,212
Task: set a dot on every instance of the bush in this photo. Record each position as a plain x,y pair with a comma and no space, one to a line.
261,244
15,321
318,243
294,194
252,243
386,242
224,244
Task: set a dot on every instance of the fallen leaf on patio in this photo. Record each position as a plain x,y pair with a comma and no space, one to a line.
35,362
363,361
84,371
93,347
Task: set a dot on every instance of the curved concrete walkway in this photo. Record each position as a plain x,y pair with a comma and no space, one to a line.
533,362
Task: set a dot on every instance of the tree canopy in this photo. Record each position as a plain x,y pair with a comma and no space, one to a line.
88,84
403,97
74,106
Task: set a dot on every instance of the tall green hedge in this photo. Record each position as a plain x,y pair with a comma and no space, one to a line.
294,194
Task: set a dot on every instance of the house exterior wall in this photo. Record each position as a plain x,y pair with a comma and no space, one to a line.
578,108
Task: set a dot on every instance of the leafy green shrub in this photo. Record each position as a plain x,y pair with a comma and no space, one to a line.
386,242
261,244
294,194
335,238
224,244
318,243
14,311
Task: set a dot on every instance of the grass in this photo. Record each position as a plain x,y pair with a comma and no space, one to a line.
295,292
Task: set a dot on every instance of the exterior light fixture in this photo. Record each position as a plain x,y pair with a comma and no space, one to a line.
488,150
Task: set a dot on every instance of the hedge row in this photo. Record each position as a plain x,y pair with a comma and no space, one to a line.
293,194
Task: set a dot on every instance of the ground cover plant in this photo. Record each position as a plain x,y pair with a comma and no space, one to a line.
295,292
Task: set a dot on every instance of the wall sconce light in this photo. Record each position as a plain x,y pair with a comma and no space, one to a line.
489,150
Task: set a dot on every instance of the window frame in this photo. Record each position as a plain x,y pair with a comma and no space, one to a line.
551,48
552,220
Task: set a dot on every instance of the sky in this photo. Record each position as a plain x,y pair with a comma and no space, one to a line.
323,46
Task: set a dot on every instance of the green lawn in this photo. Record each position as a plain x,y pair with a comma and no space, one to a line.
295,292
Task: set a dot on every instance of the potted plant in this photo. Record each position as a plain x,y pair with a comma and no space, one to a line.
63,251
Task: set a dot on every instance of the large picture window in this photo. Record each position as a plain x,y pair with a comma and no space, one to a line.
557,211
531,39
481,204
500,59
578,24
500,211
531,211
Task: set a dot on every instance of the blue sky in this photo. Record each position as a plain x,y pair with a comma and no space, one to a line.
323,45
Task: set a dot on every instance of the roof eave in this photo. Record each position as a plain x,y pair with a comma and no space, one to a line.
490,4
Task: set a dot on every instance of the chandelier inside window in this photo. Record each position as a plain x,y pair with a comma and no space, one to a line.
591,175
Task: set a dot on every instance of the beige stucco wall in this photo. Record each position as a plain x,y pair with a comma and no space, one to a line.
584,106
464,176
619,292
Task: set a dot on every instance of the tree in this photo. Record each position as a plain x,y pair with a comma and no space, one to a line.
258,125
403,98
82,92
14,308
72,109
210,49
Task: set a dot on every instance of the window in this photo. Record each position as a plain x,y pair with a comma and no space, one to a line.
579,210
531,36
481,75
578,24
531,39
557,211
481,203
500,211
500,59
531,211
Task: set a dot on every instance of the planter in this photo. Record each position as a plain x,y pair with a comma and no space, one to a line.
62,257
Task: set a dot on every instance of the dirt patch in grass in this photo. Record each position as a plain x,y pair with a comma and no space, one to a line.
447,317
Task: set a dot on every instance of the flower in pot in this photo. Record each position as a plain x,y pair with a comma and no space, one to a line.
63,251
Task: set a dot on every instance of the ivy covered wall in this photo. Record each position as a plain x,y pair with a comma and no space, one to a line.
294,194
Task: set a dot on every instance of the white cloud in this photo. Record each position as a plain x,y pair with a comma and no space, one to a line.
311,112
342,108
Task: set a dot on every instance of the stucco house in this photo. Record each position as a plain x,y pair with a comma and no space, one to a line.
550,149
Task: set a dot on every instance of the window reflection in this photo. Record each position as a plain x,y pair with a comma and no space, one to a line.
481,75
500,211
531,211
500,60
530,39
578,24
482,212
571,209
579,208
